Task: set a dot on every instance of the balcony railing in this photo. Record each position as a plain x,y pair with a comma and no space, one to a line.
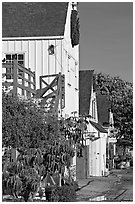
17,79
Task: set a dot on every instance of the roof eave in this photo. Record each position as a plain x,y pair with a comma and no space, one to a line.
34,38
101,130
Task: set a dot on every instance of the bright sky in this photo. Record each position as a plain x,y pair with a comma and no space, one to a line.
106,42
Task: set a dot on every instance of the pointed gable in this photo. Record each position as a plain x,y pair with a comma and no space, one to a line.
33,19
103,106
85,87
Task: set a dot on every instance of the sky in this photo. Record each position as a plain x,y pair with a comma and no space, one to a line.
106,38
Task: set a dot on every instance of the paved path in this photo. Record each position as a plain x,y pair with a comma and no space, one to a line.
123,190
118,186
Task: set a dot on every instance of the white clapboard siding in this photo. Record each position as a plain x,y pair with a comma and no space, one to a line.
18,46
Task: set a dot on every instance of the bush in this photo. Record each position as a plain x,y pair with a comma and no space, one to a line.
66,193
49,193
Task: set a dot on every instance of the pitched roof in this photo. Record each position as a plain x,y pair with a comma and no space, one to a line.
85,85
98,127
32,19
103,106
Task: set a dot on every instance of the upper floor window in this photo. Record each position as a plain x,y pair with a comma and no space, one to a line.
69,71
17,56
93,109
76,76
9,59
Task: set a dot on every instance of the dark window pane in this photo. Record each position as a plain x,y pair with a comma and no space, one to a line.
20,57
8,57
14,56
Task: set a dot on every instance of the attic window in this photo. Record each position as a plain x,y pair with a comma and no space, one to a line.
51,50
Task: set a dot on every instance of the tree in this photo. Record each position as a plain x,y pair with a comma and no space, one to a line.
120,94
45,144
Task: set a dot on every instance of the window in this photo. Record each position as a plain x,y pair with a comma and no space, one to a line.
69,72
9,59
18,57
76,68
76,83
76,76
72,64
93,109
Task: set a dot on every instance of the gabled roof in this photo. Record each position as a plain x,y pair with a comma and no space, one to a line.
98,127
103,106
32,19
85,86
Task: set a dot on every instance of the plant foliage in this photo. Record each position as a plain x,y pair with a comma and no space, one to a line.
120,93
43,142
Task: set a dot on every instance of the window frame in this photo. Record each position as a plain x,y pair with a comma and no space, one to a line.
17,54
11,61
94,109
69,71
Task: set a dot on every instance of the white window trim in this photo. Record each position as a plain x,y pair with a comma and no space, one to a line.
18,53
68,71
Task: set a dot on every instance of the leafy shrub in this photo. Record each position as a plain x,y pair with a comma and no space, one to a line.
66,193
75,185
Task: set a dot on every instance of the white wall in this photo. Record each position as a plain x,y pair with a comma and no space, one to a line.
97,157
103,151
36,55
97,152
71,68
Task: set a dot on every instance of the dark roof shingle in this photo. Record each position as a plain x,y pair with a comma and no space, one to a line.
85,85
33,19
98,127
103,106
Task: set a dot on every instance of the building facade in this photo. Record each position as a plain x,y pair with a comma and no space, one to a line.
40,36
97,136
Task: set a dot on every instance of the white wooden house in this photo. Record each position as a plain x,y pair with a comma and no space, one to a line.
96,136
44,36
105,118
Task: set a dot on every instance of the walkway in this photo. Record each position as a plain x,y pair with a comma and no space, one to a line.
117,186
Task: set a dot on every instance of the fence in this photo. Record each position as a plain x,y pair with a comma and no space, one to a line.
18,79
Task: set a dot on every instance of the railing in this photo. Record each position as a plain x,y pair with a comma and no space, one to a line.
18,79
53,93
